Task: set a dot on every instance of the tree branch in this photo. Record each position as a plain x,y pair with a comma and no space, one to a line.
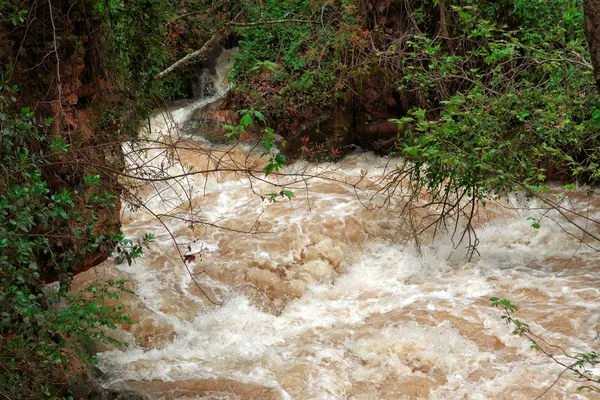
58,82
272,22
201,53
216,38
444,26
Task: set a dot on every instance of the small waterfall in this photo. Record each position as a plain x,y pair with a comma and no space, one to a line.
208,87
203,86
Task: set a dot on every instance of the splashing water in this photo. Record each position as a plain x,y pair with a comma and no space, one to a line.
333,303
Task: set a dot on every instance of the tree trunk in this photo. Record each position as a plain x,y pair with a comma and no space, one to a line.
444,26
591,9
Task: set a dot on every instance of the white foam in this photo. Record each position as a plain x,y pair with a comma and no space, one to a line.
329,333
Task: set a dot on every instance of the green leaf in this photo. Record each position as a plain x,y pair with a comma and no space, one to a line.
260,116
412,150
268,169
246,121
280,159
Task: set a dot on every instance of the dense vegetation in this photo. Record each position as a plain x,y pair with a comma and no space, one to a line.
497,93
61,126
483,97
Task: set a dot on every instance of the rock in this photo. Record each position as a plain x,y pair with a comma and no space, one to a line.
208,122
126,395
86,386
359,118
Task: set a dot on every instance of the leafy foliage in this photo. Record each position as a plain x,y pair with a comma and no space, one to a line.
507,102
526,111
51,200
41,328
283,68
275,159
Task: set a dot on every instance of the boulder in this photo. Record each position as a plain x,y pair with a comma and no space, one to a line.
208,122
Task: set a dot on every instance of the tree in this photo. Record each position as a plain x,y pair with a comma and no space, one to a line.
592,32
61,130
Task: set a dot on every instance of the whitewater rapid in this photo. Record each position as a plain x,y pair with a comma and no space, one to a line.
329,300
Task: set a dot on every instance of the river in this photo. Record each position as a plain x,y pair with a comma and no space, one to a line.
329,299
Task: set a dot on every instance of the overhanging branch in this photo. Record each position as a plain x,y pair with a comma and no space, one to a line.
216,38
198,54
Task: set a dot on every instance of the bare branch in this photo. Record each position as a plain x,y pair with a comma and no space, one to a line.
198,54
58,82
272,22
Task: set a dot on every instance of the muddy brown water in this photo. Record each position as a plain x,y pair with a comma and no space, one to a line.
333,302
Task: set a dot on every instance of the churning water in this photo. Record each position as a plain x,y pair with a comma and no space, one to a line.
329,300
